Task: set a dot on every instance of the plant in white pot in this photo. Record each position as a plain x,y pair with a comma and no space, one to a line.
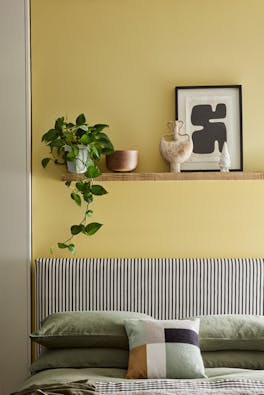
79,145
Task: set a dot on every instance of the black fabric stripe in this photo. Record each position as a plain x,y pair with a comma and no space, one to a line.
179,335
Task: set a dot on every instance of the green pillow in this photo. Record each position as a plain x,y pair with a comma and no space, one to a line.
85,329
234,359
164,349
232,332
81,358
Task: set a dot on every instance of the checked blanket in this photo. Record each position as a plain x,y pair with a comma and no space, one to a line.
182,387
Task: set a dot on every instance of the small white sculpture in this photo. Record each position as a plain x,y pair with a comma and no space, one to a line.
178,148
225,160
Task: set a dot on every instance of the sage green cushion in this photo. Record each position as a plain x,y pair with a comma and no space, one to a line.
81,358
234,359
232,332
85,329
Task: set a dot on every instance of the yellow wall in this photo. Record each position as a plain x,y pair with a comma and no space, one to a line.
119,61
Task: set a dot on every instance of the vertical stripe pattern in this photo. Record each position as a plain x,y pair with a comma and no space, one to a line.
163,288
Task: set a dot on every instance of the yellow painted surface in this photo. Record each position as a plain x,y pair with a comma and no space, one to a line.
119,62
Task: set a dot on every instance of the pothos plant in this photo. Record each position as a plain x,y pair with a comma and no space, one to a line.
72,136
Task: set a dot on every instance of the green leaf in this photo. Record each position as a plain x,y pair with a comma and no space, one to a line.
89,162
52,134
98,190
86,186
99,127
75,149
93,172
76,229
84,139
71,248
94,152
44,162
62,245
82,227
102,136
68,183
70,156
84,128
80,119
92,228
89,213
68,136
56,143
80,186
59,124
107,148
88,197
76,198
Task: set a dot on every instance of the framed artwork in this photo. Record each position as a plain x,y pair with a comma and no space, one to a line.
213,117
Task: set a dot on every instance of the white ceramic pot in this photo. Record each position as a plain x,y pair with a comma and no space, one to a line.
79,164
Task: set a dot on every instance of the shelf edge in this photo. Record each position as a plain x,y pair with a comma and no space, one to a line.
183,176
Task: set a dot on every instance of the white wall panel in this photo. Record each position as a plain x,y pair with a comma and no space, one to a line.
14,195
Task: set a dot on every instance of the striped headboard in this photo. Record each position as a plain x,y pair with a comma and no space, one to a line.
163,288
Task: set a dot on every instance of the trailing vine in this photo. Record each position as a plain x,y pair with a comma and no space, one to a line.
73,135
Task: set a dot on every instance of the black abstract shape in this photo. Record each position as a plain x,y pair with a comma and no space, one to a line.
204,139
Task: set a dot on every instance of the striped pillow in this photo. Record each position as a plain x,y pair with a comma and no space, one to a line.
164,349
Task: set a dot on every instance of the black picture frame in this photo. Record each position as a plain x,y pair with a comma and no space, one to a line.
212,115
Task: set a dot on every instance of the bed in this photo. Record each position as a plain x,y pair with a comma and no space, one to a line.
201,320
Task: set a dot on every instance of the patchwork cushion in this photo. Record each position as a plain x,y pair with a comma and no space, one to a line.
164,349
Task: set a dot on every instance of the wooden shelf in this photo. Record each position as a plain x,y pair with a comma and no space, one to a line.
183,176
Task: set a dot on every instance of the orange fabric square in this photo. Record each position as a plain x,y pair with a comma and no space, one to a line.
137,364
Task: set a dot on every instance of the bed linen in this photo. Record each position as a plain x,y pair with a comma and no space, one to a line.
103,381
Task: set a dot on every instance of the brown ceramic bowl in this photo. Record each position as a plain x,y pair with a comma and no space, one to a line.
122,160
